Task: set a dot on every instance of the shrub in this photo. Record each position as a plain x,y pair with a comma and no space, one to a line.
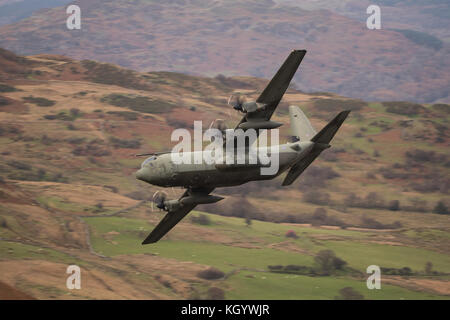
405,271
122,143
394,205
41,102
291,234
441,208
371,223
111,188
334,105
75,112
138,103
75,140
275,267
3,101
348,293
441,107
92,149
202,219
211,274
421,156
428,267
404,108
316,197
215,293
62,115
374,200
127,115
6,88
110,74
19,165
293,269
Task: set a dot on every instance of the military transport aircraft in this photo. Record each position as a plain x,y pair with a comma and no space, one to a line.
201,179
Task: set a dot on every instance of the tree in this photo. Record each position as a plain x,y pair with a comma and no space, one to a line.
394,205
291,234
248,221
211,274
339,263
441,208
374,200
327,262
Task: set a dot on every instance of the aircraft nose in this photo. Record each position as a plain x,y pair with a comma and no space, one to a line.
140,174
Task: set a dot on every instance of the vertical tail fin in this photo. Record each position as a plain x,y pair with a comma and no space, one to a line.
300,125
321,141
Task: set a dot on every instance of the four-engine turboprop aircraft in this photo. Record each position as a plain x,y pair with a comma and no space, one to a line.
201,179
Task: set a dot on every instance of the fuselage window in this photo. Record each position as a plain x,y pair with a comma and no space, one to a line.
147,161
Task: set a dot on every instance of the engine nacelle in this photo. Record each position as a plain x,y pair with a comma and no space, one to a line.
172,205
260,125
200,199
249,106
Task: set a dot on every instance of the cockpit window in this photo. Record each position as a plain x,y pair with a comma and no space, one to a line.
148,160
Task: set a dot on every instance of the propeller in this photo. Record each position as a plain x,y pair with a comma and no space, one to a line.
159,198
218,124
236,100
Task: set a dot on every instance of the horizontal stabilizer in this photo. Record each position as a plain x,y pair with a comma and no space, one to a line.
299,167
327,133
321,142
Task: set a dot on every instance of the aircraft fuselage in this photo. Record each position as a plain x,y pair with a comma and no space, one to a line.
162,171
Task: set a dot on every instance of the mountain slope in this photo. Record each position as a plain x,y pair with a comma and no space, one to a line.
68,194
242,38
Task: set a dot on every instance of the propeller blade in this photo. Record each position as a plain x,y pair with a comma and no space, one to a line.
159,197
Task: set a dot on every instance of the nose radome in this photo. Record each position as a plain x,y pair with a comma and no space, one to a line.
140,174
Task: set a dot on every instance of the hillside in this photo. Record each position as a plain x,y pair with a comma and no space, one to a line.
245,38
68,195
429,17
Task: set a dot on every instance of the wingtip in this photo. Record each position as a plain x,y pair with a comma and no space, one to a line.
344,113
146,242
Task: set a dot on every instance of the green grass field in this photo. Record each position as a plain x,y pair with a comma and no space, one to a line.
249,278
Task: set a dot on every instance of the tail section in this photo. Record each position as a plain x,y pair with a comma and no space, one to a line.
327,133
300,126
321,142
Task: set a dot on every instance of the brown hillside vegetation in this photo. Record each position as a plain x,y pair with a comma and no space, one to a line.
245,38
68,194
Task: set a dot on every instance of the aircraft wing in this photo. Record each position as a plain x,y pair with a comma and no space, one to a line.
170,220
272,94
